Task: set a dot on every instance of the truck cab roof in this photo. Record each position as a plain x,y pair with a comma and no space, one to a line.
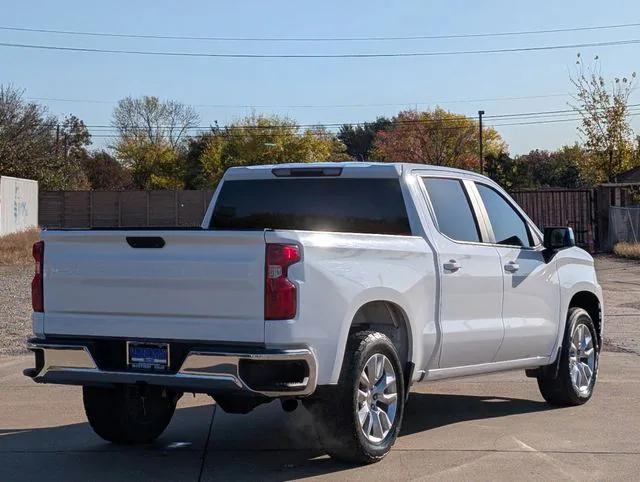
343,169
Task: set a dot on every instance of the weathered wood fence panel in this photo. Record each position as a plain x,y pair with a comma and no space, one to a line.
608,195
586,210
562,207
87,209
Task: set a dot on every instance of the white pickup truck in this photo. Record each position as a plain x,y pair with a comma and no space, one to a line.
335,284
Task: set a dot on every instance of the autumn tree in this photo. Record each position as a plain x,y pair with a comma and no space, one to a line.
148,120
104,172
36,145
604,109
152,140
437,137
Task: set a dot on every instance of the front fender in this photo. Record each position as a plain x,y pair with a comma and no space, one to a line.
576,273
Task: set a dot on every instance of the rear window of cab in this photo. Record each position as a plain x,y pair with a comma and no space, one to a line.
345,205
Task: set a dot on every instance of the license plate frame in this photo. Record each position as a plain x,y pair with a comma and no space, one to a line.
148,356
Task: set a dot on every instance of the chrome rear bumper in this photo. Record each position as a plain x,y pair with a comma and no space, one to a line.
201,371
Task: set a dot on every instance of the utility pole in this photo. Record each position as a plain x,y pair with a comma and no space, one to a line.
480,114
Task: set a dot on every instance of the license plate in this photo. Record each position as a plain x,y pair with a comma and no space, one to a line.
148,356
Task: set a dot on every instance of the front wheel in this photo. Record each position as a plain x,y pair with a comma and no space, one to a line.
575,379
359,419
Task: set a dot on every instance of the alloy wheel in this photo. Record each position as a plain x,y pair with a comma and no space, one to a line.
582,359
377,398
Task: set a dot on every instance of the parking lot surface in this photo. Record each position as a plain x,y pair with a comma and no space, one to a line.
494,427
488,428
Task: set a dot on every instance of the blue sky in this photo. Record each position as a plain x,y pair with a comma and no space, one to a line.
278,83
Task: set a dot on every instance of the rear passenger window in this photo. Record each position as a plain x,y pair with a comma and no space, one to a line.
452,209
508,226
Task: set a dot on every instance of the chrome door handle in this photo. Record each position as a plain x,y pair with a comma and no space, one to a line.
452,265
511,267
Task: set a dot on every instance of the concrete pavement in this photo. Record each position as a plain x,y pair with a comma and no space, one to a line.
494,427
487,428
620,281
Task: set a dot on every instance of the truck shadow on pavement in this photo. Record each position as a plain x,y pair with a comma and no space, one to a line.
267,444
427,411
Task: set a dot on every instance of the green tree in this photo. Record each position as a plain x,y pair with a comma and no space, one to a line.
204,160
605,128
275,140
154,165
359,138
255,140
540,168
502,169
437,137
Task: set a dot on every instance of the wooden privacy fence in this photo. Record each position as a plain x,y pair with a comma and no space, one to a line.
562,207
586,210
88,209
607,195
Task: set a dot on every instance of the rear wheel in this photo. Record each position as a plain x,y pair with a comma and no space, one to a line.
359,419
575,379
128,414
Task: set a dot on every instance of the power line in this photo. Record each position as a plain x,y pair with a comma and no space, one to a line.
322,56
543,113
401,128
461,119
319,39
56,99
508,124
551,121
313,106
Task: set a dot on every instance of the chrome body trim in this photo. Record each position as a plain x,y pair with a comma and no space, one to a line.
64,357
201,371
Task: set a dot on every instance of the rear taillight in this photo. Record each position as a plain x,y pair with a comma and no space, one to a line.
280,297
37,294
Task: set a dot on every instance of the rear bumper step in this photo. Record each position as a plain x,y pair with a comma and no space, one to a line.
269,372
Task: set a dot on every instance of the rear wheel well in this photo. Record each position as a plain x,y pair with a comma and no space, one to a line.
387,318
590,303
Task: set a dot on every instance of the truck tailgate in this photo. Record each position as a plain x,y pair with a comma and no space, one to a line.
201,285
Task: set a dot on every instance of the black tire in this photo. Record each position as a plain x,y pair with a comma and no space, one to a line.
558,388
129,415
334,407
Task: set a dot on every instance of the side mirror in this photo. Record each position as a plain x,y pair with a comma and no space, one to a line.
556,238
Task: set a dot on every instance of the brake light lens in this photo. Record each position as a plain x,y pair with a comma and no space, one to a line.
280,294
37,293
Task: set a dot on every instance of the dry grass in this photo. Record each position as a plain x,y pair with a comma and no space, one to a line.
15,249
627,250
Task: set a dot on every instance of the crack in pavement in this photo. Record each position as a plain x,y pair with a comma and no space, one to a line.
206,444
